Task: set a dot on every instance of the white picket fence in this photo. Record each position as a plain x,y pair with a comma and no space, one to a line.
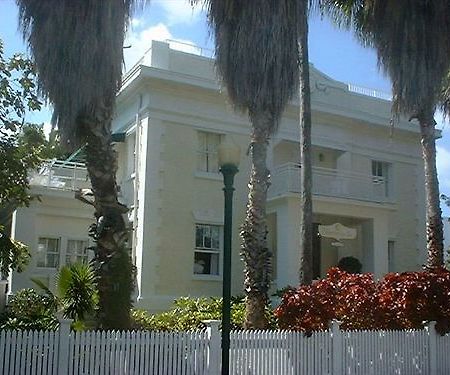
333,352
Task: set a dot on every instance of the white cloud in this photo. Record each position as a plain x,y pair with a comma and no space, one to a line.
136,22
443,166
140,42
179,11
46,127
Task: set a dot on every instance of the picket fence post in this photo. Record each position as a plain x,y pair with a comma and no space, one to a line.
432,336
213,334
63,347
337,343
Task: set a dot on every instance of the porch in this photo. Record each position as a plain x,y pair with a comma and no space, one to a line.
370,243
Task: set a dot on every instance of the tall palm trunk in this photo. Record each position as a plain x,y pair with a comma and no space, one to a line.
435,235
306,224
254,251
112,260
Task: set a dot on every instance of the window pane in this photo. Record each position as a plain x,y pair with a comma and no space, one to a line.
215,237
202,263
76,251
198,236
207,240
207,160
52,260
48,252
214,264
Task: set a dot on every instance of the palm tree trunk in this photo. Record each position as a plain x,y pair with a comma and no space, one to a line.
112,261
435,236
306,227
254,251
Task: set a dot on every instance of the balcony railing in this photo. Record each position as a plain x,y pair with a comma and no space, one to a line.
330,182
60,174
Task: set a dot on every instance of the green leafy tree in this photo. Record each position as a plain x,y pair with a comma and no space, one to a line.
83,43
412,40
17,155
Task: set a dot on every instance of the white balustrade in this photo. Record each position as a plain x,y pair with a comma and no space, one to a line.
330,182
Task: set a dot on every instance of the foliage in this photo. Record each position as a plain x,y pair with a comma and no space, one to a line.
76,295
29,310
398,301
13,254
188,314
350,265
17,95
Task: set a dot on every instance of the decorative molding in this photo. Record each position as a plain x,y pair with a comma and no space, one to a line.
337,231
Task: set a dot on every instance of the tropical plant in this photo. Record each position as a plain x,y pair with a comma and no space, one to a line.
29,310
76,292
83,43
257,58
412,40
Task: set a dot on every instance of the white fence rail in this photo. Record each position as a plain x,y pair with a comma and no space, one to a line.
333,352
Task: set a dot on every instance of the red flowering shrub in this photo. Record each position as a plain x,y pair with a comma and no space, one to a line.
398,301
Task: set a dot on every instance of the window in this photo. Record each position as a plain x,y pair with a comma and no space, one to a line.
48,252
77,251
207,249
391,256
380,175
207,160
131,153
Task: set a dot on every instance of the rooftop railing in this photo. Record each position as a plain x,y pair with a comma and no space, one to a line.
62,175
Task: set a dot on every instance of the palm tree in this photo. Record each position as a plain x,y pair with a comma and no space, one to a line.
78,50
412,40
306,218
257,57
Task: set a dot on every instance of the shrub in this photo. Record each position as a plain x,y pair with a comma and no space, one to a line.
350,265
399,301
188,314
30,310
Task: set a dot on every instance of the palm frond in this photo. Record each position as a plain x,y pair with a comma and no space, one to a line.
412,40
257,51
445,96
78,50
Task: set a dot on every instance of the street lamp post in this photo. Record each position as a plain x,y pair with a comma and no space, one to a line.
229,156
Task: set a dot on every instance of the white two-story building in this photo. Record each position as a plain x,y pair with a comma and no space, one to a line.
172,114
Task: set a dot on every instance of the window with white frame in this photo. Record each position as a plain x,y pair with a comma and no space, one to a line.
48,252
77,251
208,247
207,159
131,153
380,175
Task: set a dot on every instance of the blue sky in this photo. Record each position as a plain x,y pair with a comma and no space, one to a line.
335,52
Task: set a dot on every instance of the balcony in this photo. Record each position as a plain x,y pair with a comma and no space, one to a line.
330,183
62,175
